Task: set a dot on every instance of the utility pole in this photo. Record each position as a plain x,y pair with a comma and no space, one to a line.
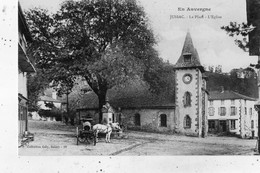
67,106
253,18
257,105
258,119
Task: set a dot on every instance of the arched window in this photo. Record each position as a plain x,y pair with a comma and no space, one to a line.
187,121
163,119
137,119
187,99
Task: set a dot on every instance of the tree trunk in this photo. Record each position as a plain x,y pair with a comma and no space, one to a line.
99,87
101,102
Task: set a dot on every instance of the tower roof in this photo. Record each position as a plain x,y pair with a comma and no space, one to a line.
189,51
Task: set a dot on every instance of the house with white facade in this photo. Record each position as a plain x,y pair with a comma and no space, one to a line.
25,66
231,112
49,97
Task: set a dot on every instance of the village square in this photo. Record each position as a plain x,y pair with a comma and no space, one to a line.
91,82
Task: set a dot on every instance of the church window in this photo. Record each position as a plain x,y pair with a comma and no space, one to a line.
187,121
163,120
187,99
187,57
137,119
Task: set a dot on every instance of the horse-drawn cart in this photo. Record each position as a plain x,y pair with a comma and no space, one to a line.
91,134
86,134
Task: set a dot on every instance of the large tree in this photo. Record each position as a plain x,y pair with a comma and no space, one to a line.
36,85
107,42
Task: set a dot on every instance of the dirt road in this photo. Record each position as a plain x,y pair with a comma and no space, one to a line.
57,139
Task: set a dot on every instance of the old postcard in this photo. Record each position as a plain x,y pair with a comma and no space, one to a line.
133,78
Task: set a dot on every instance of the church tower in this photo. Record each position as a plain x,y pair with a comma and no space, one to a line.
190,92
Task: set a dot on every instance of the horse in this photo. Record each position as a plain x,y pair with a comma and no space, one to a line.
115,126
100,128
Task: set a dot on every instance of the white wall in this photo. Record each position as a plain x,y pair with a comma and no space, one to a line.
22,83
243,121
42,105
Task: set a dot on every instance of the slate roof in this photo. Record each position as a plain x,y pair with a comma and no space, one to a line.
131,97
228,95
188,48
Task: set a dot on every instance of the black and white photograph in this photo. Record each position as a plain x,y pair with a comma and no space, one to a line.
131,78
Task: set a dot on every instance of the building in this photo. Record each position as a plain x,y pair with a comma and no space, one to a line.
231,112
49,101
180,110
50,96
25,66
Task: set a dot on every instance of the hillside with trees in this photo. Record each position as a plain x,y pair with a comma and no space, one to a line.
243,81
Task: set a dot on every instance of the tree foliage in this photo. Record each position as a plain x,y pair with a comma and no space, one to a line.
107,42
36,85
235,29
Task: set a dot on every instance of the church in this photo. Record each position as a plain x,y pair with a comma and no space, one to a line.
182,110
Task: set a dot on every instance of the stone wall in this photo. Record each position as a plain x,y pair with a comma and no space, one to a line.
195,110
149,118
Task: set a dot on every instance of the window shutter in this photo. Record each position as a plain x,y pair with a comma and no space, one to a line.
219,110
229,111
225,110
235,110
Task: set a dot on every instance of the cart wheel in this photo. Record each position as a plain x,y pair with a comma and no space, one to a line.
81,139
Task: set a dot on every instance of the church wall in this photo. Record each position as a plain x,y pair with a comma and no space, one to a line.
149,119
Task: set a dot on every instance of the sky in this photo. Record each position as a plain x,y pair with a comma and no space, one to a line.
214,46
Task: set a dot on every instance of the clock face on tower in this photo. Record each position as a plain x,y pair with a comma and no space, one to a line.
187,78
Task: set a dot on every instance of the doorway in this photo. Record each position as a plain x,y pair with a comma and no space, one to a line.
222,126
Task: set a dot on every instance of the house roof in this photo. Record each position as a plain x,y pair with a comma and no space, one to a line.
49,99
189,49
22,24
131,97
228,95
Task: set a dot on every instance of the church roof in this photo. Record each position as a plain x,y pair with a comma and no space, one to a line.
131,97
189,50
228,95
